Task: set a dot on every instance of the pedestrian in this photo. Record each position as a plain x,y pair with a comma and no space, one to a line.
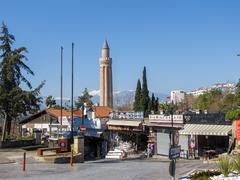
148,150
151,147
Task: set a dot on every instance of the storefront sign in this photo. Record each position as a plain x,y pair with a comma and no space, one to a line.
127,128
238,129
126,115
166,119
174,152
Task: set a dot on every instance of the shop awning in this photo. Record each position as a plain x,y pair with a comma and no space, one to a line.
206,129
133,123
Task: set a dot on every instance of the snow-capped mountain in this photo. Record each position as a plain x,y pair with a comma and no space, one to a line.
120,98
124,98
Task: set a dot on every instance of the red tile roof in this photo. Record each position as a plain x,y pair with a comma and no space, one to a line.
102,111
57,112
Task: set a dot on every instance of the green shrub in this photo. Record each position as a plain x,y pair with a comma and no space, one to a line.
225,165
236,164
204,174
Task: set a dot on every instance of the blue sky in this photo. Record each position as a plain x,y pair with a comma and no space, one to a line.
184,44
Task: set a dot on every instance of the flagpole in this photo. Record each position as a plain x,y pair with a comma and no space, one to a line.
61,87
72,97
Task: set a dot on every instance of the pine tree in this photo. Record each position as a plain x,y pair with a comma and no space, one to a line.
137,102
84,98
14,101
145,97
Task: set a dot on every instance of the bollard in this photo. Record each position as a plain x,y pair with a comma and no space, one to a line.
24,162
71,158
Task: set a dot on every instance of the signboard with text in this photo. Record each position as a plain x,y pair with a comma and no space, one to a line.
174,152
126,115
177,119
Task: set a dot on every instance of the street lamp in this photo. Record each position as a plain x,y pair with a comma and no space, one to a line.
172,164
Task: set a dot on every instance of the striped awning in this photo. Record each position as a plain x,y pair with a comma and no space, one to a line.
134,123
206,129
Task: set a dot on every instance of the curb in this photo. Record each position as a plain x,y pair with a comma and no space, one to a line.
7,162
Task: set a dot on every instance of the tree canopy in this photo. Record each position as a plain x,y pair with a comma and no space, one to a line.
15,101
142,100
50,101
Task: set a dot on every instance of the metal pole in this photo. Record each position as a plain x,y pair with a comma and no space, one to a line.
71,158
172,136
172,130
61,87
24,162
72,97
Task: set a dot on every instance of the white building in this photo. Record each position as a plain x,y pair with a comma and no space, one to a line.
177,96
224,87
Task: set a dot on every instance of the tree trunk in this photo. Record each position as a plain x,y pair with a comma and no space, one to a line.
8,126
4,128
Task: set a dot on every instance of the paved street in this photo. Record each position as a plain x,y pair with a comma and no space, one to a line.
107,170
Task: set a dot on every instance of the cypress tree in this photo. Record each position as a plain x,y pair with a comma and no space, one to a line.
152,102
156,106
145,97
137,102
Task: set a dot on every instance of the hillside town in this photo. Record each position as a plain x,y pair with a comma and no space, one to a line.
110,134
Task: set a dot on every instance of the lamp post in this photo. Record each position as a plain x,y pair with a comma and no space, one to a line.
172,165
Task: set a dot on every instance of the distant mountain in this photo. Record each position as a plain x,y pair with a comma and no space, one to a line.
124,98
120,98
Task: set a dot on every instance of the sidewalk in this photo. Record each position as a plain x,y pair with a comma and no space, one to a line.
4,160
12,155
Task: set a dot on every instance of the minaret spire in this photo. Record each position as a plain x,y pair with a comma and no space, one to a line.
105,50
106,87
105,44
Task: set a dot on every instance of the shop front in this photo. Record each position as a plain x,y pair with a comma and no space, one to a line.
205,139
160,128
126,132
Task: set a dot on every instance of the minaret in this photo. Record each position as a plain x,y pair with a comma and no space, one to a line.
106,87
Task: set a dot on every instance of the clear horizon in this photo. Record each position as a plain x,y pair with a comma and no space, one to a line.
184,45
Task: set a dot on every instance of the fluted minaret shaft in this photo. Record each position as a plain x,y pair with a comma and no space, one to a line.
106,87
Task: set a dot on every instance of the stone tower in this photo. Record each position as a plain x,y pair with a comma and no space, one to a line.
106,87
